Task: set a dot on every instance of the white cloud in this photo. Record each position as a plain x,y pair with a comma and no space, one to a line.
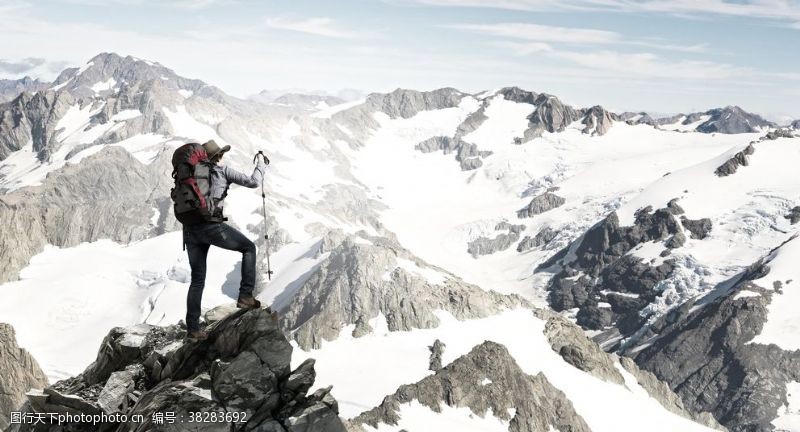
771,9
542,33
320,26
652,66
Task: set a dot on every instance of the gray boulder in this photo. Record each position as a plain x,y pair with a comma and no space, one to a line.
794,215
501,242
20,373
542,238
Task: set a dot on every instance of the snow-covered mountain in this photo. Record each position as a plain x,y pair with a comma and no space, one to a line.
410,228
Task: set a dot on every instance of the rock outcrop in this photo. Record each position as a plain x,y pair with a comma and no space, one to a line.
31,120
11,88
363,280
467,155
704,351
542,238
794,215
608,285
238,379
598,121
488,381
20,373
501,242
550,115
732,120
739,159
540,204
72,206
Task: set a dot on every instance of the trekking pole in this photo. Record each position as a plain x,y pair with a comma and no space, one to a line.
264,209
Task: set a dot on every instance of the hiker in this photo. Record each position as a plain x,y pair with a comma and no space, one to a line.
198,236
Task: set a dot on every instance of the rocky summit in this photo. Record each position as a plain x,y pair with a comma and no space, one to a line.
148,378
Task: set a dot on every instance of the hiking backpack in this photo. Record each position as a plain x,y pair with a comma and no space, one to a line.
191,196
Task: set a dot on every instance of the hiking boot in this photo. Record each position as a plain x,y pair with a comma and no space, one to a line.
196,336
248,303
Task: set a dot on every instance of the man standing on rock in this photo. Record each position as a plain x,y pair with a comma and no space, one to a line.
200,236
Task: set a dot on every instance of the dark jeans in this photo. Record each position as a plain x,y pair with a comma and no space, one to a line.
198,238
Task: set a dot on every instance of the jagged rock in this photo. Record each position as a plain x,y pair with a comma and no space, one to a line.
467,154
677,240
243,367
542,238
600,268
674,208
19,371
487,246
550,115
698,228
518,95
703,350
739,159
633,118
794,215
598,121
358,282
31,119
569,341
407,103
11,88
536,404
777,133
437,349
731,120
540,204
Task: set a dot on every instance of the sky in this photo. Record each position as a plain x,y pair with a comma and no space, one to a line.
655,55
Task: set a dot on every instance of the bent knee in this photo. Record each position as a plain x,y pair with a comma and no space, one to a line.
249,247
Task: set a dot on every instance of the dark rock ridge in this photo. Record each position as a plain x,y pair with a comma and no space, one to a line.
739,159
731,120
468,155
794,215
571,343
242,369
728,120
20,373
360,281
540,204
607,286
11,88
702,351
72,207
542,238
550,115
488,381
501,242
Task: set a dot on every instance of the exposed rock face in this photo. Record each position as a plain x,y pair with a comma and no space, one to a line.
536,404
407,103
85,202
699,228
10,88
487,246
731,120
637,118
437,349
739,159
518,95
19,371
468,155
575,348
358,282
550,115
542,238
702,351
794,215
540,204
31,120
244,367
606,285
598,121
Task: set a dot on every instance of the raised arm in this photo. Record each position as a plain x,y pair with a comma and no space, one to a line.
252,181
